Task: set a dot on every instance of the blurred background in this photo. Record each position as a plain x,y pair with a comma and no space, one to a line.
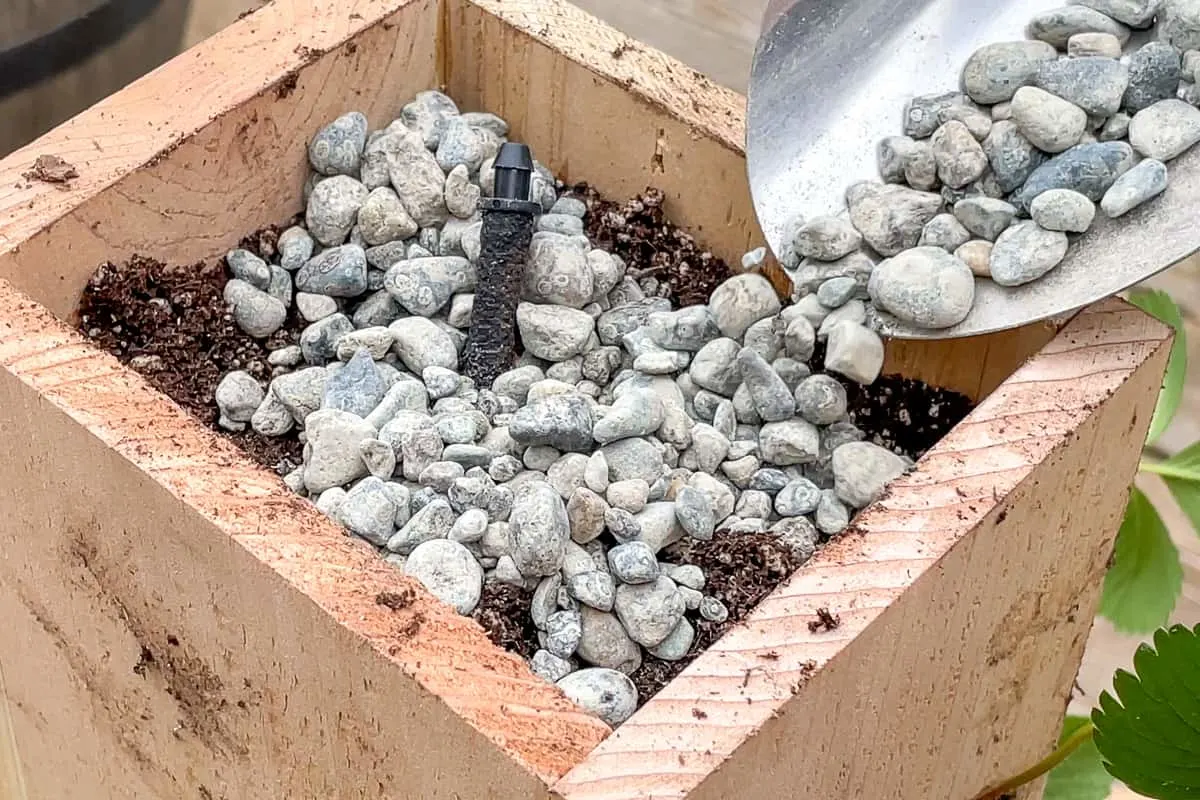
59,56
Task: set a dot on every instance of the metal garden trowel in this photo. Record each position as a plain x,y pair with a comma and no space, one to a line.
831,78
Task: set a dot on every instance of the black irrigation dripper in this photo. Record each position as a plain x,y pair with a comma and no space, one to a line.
504,246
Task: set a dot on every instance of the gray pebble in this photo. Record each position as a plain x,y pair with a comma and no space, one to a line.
854,351
461,196
862,470
943,231
831,516
470,527
799,534
994,72
1134,13
594,589
1058,25
449,571
1179,24
790,442
923,114
1063,210
250,268
257,313
636,413
337,272
741,301
569,205
1094,83
420,343
622,524
768,480
301,391
892,154
608,694
960,159
333,208
272,417
1051,123
977,120
622,319
799,339
418,179
1115,127
677,644
1013,158
740,470
563,632
713,610
468,455
799,497
562,421
295,247
633,458
1026,252
585,512
925,286
1094,44
836,292
633,562
553,333
333,440
715,366
369,511
605,643
550,667
338,147
1087,168
890,217
423,286
1144,181
649,611
419,448
1155,70
771,397
1165,129
315,306
821,400
687,329
558,271
920,167
540,530
826,239
460,144
357,387
238,396
630,495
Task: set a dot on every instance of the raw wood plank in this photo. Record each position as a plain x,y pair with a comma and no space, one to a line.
220,632
976,542
234,114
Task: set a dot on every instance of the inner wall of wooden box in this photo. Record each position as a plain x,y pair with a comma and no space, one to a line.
591,104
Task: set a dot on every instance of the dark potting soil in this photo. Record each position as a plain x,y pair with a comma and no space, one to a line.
170,324
651,246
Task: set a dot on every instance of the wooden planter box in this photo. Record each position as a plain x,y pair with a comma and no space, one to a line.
174,623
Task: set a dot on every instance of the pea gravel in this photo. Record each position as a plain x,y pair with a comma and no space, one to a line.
1080,117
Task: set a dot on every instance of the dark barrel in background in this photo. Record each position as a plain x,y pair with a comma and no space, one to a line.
57,57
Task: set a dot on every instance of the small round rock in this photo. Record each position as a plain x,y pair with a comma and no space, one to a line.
1026,252
607,693
924,286
449,571
1063,210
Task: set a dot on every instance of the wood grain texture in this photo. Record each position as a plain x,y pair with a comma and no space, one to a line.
965,597
219,624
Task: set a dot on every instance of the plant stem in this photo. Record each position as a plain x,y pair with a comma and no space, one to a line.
1072,743
1166,470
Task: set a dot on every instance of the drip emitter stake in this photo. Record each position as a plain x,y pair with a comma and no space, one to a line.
504,244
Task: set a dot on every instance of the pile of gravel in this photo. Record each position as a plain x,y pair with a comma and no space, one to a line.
996,180
626,427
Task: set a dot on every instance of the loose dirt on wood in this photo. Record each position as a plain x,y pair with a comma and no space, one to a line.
51,169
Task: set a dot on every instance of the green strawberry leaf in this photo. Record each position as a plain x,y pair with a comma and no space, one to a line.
1145,579
1148,736
1082,775
1159,304
1187,495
